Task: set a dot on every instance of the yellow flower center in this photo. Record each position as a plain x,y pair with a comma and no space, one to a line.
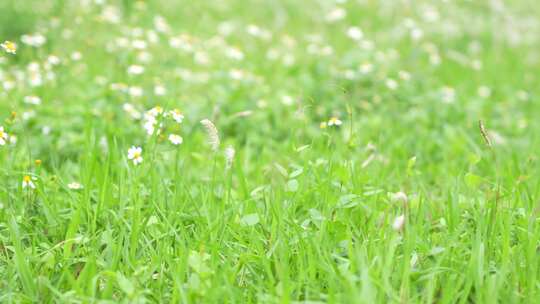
10,47
27,179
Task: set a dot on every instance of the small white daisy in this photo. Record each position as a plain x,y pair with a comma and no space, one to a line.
177,115
391,84
135,91
33,100
3,136
135,154
334,121
9,47
149,126
135,70
27,182
160,90
76,56
35,40
175,139
355,33
155,111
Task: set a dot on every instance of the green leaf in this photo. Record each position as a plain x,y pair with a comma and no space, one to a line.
316,215
250,219
410,165
472,180
292,185
21,261
474,158
125,284
347,201
296,173
197,262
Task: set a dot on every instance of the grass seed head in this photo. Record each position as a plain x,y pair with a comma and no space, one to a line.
212,133
484,133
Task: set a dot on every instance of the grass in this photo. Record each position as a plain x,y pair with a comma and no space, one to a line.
305,211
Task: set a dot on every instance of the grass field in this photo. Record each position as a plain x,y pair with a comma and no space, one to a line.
250,151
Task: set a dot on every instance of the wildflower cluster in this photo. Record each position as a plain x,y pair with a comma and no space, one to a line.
156,121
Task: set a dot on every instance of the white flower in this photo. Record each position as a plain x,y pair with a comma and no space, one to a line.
27,182
130,109
234,53
448,95
33,100
417,33
135,70
8,85
9,47
149,126
3,136
135,154
175,139
139,44
336,14
160,24
75,186
150,120
35,79
404,75
398,223
35,40
398,197
53,60
484,92
287,100
391,84
28,115
155,111
135,91
229,156
253,30
355,33
118,87
144,57
76,56
366,68
160,90
236,74
177,115
334,121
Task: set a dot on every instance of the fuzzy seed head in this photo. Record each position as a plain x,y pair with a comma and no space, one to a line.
212,133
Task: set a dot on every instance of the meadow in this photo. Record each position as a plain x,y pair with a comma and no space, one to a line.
250,151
